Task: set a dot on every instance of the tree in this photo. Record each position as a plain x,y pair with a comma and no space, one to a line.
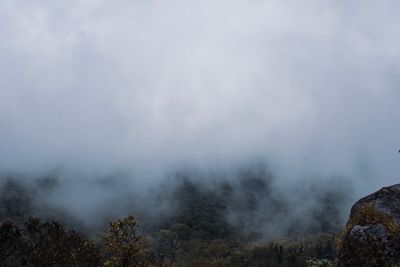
124,246
44,244
51,245
12,247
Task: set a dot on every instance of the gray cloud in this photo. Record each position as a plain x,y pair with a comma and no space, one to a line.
96,87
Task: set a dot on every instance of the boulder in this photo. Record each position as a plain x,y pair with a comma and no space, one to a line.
386,200
372,234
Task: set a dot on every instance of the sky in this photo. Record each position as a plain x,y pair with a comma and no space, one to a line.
101,87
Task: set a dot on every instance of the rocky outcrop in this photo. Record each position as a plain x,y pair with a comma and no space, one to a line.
372,234
386,200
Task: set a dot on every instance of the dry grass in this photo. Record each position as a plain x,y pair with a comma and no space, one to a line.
367,215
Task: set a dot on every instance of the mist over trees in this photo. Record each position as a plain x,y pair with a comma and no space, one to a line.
243,220
192,133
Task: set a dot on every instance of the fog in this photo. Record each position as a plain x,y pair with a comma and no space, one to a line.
138,89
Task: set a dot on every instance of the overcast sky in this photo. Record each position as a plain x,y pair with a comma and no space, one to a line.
98,86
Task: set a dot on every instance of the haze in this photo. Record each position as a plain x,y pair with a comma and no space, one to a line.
141,87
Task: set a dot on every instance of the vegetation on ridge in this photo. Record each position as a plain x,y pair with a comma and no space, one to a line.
199,231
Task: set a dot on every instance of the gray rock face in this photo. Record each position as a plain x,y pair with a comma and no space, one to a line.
376,233
386,200
372,235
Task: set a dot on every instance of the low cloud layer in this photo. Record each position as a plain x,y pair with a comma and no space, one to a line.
98,87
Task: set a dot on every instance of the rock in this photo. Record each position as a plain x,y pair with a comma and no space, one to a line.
372,234
376,233
386,200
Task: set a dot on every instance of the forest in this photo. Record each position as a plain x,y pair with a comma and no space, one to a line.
224,224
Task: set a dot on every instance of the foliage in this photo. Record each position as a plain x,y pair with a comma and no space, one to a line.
44,244
123,246
39,243
319,263
232,252
12,246
198,233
